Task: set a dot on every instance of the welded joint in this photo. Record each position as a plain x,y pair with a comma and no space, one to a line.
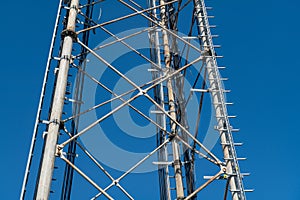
172,135
142,92
116,182
172,103
223,168
59,151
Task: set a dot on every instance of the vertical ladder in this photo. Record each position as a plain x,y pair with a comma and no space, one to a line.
218,99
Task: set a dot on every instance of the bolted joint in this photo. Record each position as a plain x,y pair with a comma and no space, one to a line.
224,176
69,33
61,124
177,162
172,135
59,151
116,182
54,121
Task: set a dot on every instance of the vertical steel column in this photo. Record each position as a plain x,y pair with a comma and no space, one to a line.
163,170
218,99
46,171
172,109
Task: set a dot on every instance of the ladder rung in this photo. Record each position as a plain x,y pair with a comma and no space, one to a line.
236,158
190,37
210,26
232,130
242,174
199,90
45,122
213,36
235,144
209,16
74,101
214,56
220,90
216,67
247,190
207,8
215,46
157,112
208,90
162,163
152,70
200,36
221,103
245,174
222,79
230,116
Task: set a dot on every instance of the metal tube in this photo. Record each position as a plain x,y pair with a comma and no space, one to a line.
158,24
175,145
46,171
121,18
87,178
135,166
165,191
204,185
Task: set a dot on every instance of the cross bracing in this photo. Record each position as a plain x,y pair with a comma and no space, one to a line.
133,106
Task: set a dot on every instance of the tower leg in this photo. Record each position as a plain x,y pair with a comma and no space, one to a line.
46,171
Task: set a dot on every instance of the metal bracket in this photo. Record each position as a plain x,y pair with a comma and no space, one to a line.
55,121
74,101
59,151
69,33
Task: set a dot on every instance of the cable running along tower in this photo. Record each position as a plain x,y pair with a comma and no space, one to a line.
133,106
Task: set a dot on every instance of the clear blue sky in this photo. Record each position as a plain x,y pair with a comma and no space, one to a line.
260,42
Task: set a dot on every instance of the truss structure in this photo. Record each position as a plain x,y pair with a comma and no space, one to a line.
133,106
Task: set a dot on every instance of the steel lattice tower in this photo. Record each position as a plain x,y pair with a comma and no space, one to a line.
153,61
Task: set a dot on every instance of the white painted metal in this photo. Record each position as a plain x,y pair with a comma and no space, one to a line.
162,77
45,178
171,99
161,117
218,99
